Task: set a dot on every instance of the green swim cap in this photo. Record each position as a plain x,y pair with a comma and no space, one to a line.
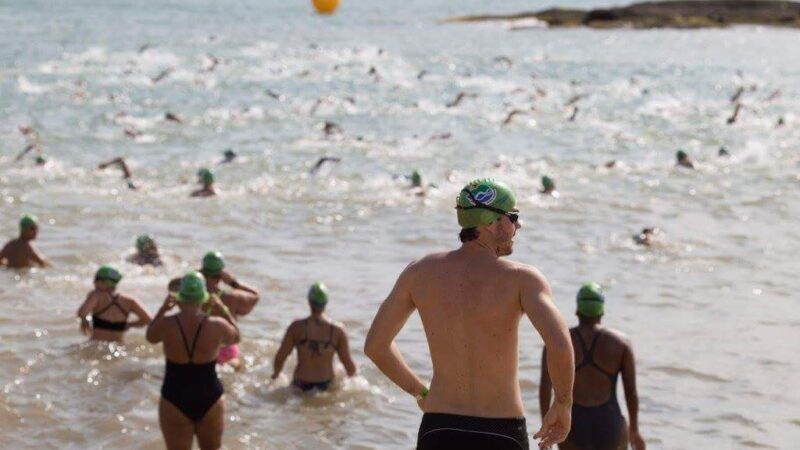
108,273
41,160
680,155
416,179
28,221
548,182
318,294
482,201
213,264
591,300
193,289
206,174
143,241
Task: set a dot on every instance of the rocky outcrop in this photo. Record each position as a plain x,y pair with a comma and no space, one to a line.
677,14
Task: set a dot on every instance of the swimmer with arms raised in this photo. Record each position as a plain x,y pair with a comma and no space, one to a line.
471,302
317,339
192,401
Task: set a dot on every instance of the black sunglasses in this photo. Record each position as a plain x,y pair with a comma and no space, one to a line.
512,216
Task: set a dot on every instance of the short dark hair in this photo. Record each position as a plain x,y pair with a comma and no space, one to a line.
468,234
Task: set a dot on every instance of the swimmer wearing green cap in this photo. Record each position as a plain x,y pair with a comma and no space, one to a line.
108,309
205,177
602,354
317,339
239,299
470,301
19,253
192,400
123,166
146,252
548,186
682,159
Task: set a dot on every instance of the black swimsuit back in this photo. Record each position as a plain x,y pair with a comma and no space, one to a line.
191,387
596,427
313,344
103,324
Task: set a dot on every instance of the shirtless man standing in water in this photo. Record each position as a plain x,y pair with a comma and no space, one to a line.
19,253
471,302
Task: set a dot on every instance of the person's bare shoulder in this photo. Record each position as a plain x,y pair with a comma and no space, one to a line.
617,337
427,261
526,274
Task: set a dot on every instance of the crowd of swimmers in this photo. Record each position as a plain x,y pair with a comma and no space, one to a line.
470,301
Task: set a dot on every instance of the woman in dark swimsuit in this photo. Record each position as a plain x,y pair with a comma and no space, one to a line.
109,310
597,421
317,339
192,402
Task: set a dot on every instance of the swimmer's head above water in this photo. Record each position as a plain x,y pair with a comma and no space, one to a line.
193,289
481,207
107,278
591,301
416,179
548,185
145,244
28,226
318,296
205,176
213,264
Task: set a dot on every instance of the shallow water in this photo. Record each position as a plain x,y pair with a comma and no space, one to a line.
709,309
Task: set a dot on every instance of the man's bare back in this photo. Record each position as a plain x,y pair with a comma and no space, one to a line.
470,307
19,253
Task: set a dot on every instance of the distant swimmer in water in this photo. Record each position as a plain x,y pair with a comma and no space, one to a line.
723,152
470,301
228,156
573,115
682,159
41,160
108,309
192,401
316,339
321,161
146,252
19,253
459,98
331,128
123,166
597,421
548,186
205,177
513,114
172,117
646,237
611,164
781,122
239,300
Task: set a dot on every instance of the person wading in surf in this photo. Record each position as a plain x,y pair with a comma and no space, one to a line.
317,339
597,422
471,302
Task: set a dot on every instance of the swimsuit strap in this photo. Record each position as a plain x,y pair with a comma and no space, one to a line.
190,351
183,336
588,355
114,299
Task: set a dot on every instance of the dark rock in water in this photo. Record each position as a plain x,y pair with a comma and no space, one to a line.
674,14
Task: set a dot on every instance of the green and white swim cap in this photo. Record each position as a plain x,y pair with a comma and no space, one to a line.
416,179
591,300
206,175
193,289
28,221
213,264
483,201
108,273
548,182
318,294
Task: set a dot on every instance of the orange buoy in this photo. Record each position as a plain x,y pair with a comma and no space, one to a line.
325,6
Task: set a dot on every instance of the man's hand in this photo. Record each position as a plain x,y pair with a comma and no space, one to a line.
637,442
556,425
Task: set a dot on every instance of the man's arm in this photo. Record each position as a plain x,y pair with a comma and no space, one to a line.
283,352
536,301
39,259
545,386
143,317
343,350
631,397
380,346
242,302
